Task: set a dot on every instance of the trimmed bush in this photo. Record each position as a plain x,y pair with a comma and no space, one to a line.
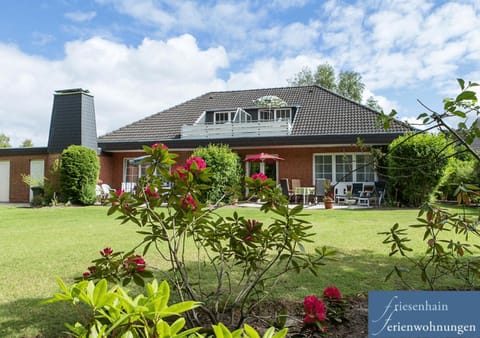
416,165
79,169
226,172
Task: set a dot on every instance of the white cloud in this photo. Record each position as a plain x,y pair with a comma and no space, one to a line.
128,83
144,11
80,16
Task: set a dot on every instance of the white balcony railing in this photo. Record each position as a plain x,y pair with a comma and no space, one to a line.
230,130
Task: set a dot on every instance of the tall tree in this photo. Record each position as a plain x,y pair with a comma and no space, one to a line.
325,77
349,83
373,103
4,141
302,78
27,143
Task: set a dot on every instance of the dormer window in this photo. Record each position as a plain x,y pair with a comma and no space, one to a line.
221,117
283,114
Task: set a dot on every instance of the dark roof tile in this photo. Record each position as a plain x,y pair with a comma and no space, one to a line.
321,112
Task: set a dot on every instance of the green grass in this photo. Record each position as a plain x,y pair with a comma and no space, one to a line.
38,244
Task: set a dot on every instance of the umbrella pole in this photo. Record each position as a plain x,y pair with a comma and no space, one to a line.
262,167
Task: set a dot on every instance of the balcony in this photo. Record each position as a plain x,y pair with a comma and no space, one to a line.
236,129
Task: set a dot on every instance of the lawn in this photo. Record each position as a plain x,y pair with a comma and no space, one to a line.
38,244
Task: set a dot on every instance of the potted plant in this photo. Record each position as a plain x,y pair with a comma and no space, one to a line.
328,202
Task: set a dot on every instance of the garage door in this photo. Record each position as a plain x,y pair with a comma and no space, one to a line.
4,181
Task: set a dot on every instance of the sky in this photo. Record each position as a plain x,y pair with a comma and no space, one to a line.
139,57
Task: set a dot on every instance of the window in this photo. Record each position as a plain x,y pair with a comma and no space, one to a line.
134,171
282,114
274,114
266,115
323,167
365,169
344,167
222,117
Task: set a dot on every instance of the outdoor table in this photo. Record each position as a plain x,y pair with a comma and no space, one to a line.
305,191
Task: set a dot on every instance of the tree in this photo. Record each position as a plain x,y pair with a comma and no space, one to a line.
325,77
349,83
302,78
27,143
4,141
373,103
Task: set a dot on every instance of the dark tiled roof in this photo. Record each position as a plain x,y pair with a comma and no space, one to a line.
321,112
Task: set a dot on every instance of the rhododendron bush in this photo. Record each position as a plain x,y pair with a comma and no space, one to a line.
240,252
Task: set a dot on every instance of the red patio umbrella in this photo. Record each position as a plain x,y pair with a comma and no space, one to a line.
262,157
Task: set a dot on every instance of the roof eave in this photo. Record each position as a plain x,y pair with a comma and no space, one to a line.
337,139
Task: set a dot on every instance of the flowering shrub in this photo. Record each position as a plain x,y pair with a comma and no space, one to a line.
224,247
319,313
118,267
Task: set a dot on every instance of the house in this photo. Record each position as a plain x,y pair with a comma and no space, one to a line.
314,130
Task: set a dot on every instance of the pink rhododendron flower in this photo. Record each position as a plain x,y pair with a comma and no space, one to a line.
260,176
253,225
200,162
156,145
119,192
86,274
136,262
181,171
314,310
332,293
107,251
151,193
188,203
248,238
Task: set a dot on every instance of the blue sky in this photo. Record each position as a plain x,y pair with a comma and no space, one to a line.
138,57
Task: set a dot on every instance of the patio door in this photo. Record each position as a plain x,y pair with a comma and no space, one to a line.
268,168
4,181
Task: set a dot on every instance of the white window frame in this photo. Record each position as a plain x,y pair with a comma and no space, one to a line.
275,114
283,114
140,170
334,168
228,114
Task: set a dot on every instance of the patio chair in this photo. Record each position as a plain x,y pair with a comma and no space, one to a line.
319,189
106,189
357,190
340,192
296,183
379,192
286,191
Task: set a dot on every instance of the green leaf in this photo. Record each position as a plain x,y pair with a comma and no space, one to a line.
99,293
180,307
280,334
466,95
251,332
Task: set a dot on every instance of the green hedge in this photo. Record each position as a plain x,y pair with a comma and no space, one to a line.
79,168
416,165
